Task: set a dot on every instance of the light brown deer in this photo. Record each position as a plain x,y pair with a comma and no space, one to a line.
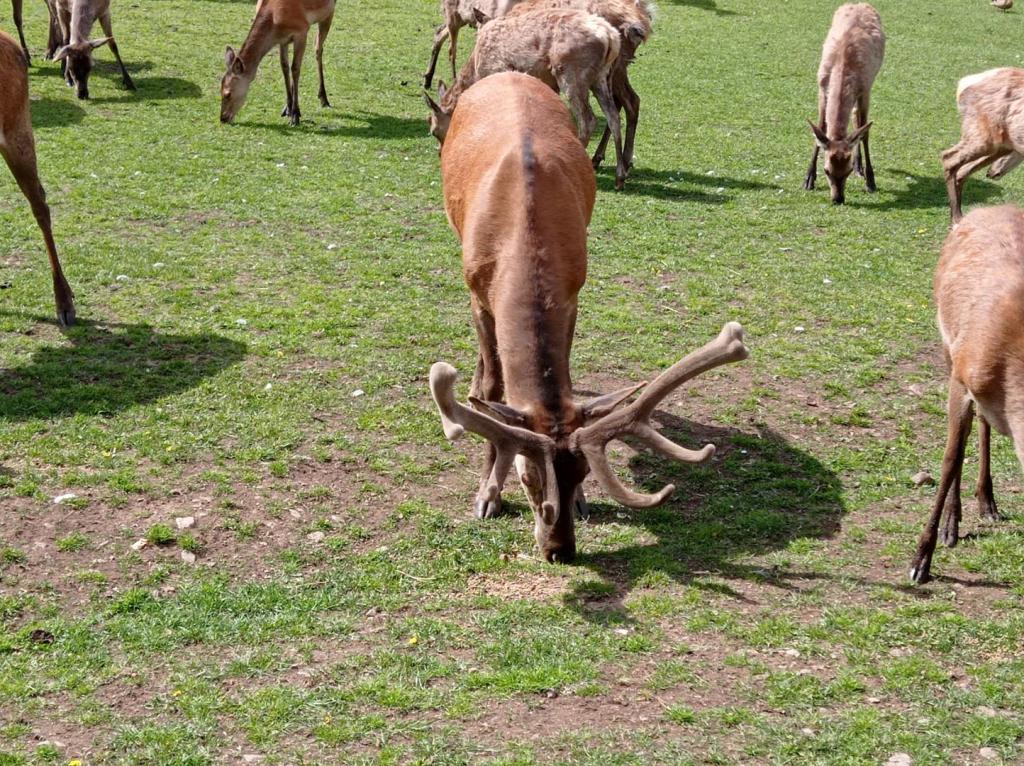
76,19
281,23
850,60
632,18
458,14
991,106
571,51
979,291
519,191
17,146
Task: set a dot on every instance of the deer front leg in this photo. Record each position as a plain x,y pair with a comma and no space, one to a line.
487,385
983,491
321,36
19,153
287,73
611,114
440,35
960,411
453,36
108,30
958,163
867,170
54,38
16,12
812,171
298,50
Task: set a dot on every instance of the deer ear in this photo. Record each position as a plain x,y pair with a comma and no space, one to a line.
62,53
481,17
434,107
500,411
94,44
441,90
229,56
237,66
858,135
819,135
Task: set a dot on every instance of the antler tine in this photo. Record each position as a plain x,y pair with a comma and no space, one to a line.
634,419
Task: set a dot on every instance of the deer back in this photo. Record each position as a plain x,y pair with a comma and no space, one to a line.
991,106
850,60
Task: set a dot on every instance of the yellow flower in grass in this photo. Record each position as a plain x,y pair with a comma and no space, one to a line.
75,762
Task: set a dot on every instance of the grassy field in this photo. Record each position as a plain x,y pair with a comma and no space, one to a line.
259,306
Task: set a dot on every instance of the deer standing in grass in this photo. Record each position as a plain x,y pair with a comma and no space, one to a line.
17,146
571,51
76,19
979,291
632,19
519,191
850,60
458,14
991,106
281,23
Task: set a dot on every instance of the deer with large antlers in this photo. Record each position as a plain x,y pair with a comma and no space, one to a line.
281,23
991,106
571,51
76,19
17,146
850,60
979,291
519,190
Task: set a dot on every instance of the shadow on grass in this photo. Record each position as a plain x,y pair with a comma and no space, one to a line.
923,191
371,125
704,5
110,367
55,113
759,494
677,184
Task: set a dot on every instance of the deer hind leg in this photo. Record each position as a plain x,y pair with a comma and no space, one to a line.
298,51
19,153
453,36
983,491
287,74
54,37
1005,165
64,22
108,30
16,12
960,411
958,163
440,35
602,90
321,36
487,385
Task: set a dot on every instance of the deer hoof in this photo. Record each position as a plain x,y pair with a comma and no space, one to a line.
920,573
809,183
487,509
66,317
987,509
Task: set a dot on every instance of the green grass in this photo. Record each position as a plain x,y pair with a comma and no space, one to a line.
237,285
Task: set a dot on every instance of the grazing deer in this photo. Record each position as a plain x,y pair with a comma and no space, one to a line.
519,191
458,14
17,147
979,291
991,130
632,18
76,18
281,23
571,51
850,60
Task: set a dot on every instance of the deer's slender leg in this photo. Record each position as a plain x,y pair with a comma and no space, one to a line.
960,412
64,21
603,92
321,36
298,50
19,153
440,35
108,30
983,491
287,73
862,119
812,170
453,36
16,12
54,36
957,163
487,385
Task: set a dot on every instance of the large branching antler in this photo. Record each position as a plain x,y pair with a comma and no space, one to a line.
634,420
508,441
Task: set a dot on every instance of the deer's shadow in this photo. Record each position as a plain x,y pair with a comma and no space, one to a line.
922,191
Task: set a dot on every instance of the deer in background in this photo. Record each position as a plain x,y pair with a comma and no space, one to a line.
16,8
76,18
281,23
991,130
458,14
519,190
979,291
17,146
571,51
850,60
632,19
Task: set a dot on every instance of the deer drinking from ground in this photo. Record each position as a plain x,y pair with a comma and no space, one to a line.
458,14
571,51
850,60
281,23
632,19
991,106
17,146
519,190
979,291
76,19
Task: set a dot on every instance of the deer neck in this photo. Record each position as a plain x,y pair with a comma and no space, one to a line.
258,43
839,100
82,19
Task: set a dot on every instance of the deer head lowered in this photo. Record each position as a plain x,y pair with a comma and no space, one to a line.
552,469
